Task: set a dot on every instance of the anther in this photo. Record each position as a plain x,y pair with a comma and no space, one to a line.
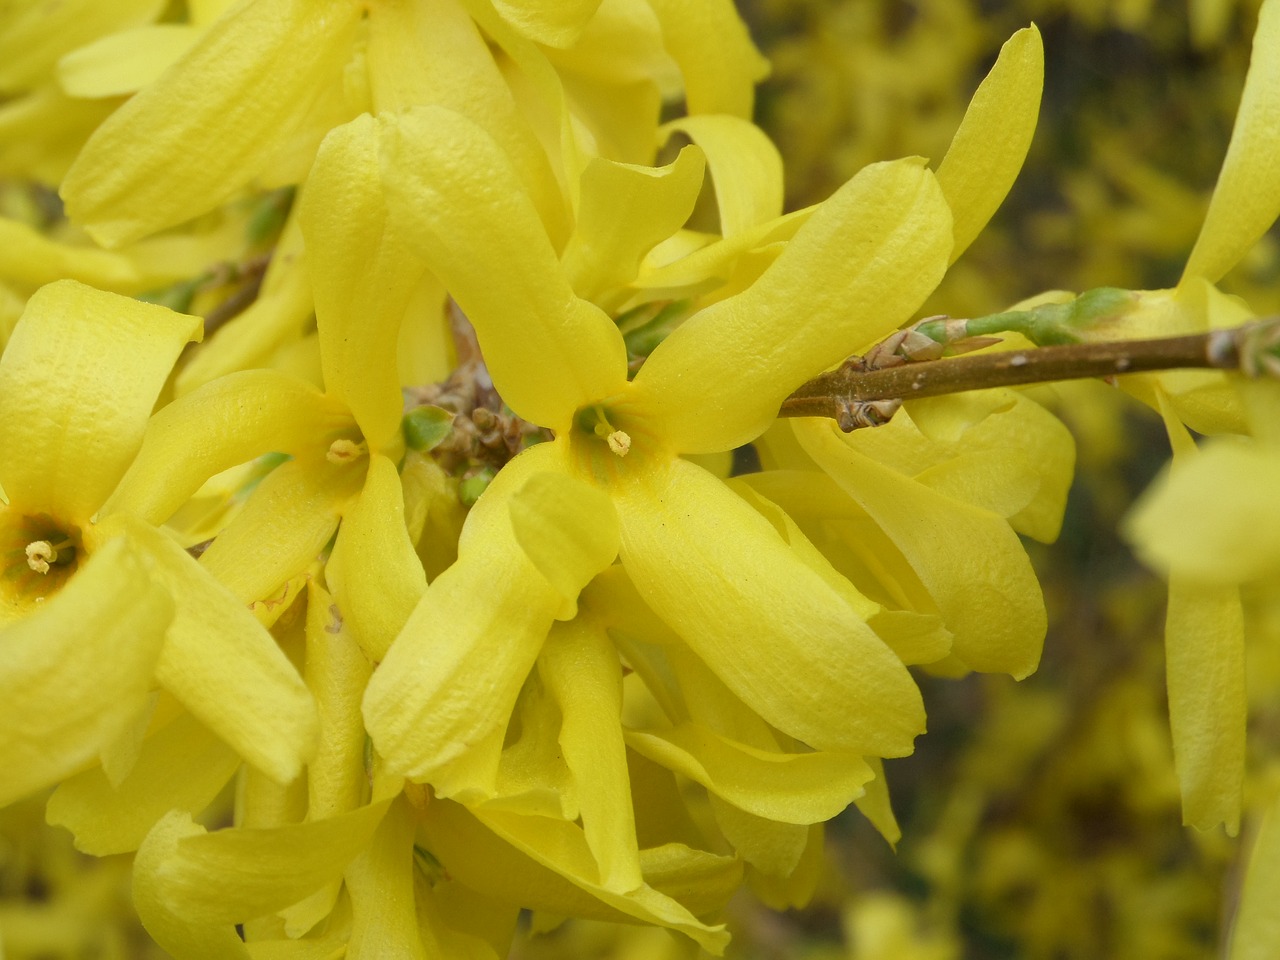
343,450
41,554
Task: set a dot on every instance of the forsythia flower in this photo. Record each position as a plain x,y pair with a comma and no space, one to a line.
95,603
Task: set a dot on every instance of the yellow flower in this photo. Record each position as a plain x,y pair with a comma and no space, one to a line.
95,603
250,102
711,566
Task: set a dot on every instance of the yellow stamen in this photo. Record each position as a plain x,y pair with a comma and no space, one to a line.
619,443
41,554
345,451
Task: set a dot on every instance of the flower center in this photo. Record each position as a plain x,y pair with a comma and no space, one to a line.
594,420
38,555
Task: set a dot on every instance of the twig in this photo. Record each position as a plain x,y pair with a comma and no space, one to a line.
855,396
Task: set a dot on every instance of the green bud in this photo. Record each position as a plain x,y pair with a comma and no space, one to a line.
426,427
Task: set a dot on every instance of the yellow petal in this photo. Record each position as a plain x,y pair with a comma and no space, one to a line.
995,449
360,303
125,62
557,23
969,559
226,669
272,322
241,873
224,423
875,805
1205,672
453,674
180,938
545,864
568,529
381,884
799,788
448,53
992,141
283,528
32,259
623,212
1246,199
78,380
186,143
745,166
1212,519
861,264
767,845
182,766
374,571
721,65
336,673
766,624
77,672
1256,932
36,35
548,351
581,668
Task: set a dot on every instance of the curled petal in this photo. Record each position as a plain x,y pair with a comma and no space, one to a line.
549,351
857,268
78,380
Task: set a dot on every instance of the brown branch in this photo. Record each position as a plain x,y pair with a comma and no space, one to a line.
857,397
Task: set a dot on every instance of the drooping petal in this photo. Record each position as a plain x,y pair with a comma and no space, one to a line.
78,380
224,423
452,676
380,881
623,212
180,938
289,518
336,673
745,166
992,141
1212,519
581,668
241,873
1246,199
216,118
182,766
1255,935
1205,673
374,570
360,302
766,624
569,530
861,264
77,672
549,352
721,65
226,668
799,788
968,558
125,62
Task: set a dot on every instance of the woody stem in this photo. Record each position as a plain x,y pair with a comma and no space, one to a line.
832,394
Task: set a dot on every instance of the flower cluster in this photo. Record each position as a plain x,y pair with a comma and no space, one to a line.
398,528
